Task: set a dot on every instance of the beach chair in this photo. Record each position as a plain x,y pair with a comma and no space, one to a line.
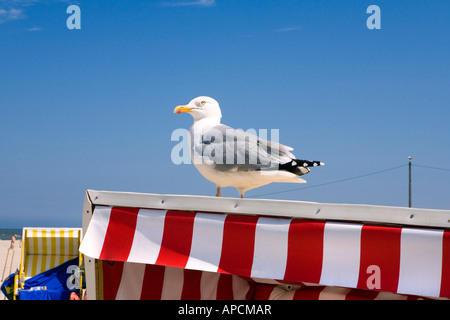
44,249
178,247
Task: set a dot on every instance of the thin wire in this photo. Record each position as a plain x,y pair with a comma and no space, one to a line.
331,182
429,167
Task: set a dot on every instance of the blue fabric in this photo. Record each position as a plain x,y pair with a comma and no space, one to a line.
8,287
44,295
56,282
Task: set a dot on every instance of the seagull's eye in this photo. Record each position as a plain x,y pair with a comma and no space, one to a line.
203,102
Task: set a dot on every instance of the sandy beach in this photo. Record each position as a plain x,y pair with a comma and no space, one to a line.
12,262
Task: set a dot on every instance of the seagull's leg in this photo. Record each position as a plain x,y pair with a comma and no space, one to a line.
219,192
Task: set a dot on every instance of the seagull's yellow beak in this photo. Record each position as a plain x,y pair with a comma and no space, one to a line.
182,109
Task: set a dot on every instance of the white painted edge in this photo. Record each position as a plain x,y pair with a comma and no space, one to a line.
89,263
277,208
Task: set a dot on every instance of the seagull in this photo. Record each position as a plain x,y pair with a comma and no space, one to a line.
233,158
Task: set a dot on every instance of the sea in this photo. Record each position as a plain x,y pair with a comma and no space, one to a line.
6,234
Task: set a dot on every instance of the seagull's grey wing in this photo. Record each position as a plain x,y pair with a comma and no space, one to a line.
235,150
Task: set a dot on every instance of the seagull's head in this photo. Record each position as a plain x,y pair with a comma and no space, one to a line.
201,107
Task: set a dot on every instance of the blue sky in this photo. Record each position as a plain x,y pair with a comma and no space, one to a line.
92,108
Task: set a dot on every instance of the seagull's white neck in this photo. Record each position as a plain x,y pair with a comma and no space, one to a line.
206,123
201,126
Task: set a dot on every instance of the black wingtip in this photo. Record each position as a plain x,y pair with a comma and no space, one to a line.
298,167
307,163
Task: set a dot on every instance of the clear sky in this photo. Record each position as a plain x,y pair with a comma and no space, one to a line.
93,108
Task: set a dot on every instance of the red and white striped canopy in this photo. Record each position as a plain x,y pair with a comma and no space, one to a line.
412,261
138,281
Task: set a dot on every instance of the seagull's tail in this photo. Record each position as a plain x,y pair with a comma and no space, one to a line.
299,167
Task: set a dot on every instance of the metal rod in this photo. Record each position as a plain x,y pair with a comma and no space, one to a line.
410,180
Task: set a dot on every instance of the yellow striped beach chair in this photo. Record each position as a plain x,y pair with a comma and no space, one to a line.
46,248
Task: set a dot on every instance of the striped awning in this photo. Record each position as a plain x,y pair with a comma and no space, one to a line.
138,281
272,292
412,261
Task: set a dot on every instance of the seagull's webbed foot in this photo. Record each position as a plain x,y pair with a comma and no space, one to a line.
219,192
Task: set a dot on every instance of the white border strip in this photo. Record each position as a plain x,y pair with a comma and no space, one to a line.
280,208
